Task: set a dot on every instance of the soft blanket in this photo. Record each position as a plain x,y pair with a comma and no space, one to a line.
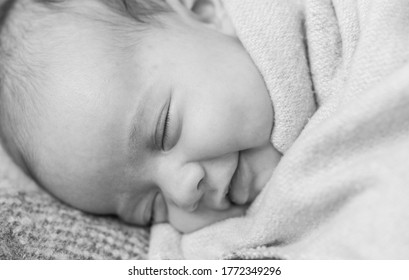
341,188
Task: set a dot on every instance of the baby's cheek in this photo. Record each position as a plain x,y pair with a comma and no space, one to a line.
187,222
255,130
211,136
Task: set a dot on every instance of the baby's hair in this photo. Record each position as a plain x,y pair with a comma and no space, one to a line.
24,24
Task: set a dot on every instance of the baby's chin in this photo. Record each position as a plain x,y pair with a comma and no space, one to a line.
205,218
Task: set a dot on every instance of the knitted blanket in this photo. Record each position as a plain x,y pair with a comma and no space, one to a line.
34,225
341,188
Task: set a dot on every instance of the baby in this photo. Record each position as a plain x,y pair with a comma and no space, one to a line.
149,110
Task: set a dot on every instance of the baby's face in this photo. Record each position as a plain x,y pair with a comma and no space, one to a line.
173,129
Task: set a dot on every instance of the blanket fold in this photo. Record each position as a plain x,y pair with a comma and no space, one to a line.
340,190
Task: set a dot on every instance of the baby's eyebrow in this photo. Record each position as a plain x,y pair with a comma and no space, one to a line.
135,140
5,9
135,10
139,125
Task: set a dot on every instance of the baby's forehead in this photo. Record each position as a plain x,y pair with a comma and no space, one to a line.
37,28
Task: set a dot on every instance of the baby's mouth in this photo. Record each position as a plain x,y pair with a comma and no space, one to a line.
239,190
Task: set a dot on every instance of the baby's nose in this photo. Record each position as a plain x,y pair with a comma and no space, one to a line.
184,186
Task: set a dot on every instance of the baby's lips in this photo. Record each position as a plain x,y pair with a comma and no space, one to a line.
239,197
240,189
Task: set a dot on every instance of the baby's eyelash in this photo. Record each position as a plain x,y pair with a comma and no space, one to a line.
152,217
152,211
165,129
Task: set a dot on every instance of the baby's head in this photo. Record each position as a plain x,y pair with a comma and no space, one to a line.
149,110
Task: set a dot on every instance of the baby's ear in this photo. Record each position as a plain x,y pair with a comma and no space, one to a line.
208,12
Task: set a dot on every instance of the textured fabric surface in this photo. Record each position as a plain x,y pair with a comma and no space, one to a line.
165,243
341,189
258,253
33,225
